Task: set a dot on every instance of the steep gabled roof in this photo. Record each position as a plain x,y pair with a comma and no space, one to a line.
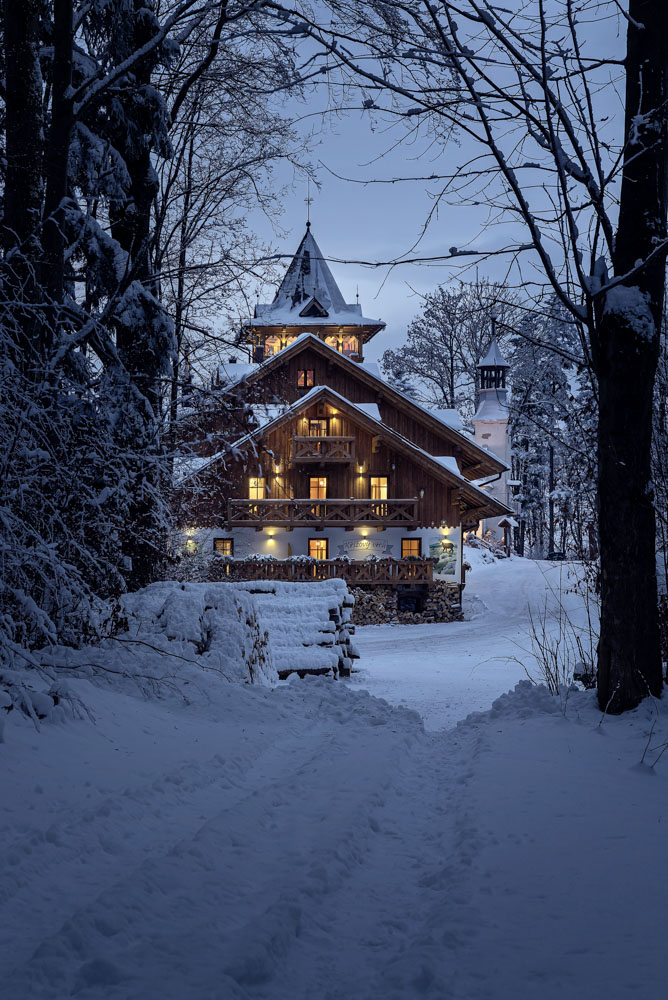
475,499
309,292
488,463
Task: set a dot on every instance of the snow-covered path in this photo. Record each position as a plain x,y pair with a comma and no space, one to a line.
445,671
315,843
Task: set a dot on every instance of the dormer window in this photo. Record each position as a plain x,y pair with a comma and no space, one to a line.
314,308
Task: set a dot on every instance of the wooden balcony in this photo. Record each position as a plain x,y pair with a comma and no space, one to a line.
322,513
354,572
323,449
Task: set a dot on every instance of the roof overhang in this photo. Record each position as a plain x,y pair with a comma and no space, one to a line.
483,462
474,502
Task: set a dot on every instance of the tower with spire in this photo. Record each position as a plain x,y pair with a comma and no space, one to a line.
490,423
309,301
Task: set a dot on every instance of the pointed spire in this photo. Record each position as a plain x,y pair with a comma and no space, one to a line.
308,277
494,358
309,296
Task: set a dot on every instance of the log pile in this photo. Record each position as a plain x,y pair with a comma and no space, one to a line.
307,625
378,606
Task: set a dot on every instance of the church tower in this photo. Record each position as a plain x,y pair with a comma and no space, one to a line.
491,421
309,301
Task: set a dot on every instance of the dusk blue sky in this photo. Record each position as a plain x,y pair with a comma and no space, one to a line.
377,222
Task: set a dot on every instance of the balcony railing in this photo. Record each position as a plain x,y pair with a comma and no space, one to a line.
323,449
365,571
322,513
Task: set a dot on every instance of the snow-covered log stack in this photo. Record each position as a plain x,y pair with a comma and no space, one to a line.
307,625
214,625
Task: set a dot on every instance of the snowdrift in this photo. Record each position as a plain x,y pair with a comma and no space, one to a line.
166,635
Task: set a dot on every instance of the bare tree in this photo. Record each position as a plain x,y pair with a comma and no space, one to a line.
445,342
229,132
585,183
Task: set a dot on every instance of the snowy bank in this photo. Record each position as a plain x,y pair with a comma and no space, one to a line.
168,635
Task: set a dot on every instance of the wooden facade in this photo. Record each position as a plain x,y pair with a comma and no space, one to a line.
279,378
351,457
332,453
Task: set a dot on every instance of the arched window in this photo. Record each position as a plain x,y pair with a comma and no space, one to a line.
333,342
272,345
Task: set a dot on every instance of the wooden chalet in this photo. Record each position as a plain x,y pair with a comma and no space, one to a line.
339,466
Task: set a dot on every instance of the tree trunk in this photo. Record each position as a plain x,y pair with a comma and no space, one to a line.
58,147
550,502
144,345
23,178
627,342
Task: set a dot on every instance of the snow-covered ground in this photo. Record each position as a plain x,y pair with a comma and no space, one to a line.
314,842
446,671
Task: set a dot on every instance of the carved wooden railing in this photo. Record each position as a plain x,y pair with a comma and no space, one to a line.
356,572
321,513
323,449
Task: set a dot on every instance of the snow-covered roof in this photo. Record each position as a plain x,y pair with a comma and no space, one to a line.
446,462
263,412
447,417
491,406
450,418
494,358
510,521
309,295
370,408
372,367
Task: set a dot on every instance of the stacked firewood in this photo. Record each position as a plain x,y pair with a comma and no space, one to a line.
378,606
307,625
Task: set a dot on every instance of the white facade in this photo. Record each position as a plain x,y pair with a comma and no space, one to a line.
491,428
443,544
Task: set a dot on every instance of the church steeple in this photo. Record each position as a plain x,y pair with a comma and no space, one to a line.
492,371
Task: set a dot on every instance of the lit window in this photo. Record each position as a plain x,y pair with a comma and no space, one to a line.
318,428
318,548
305,378
318,487
256,488
223,546
272,345
411,547
350,345
333,342
379,487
